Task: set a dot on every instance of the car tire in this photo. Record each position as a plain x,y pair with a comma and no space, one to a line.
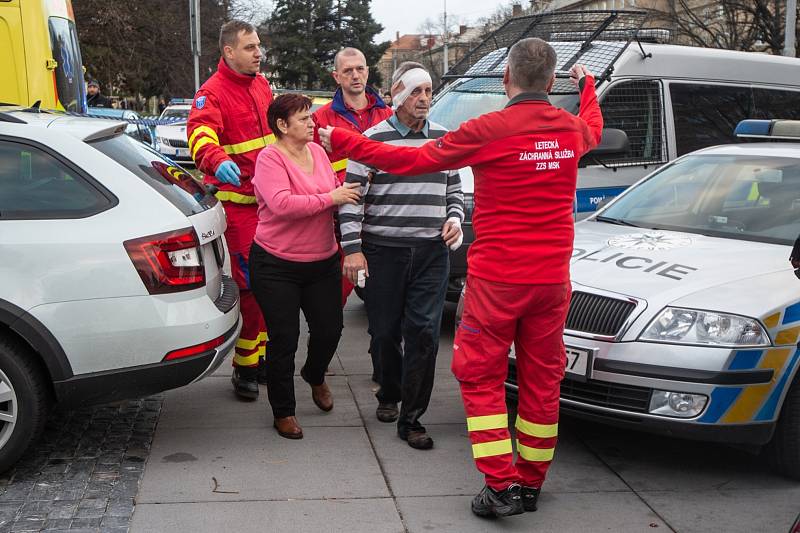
783,451
24,401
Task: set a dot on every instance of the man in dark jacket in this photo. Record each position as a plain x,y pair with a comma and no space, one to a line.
93,96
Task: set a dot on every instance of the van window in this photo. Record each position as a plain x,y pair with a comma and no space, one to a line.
706,115
635,108
69,72
772,103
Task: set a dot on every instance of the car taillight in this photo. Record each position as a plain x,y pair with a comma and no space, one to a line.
168,262
194,350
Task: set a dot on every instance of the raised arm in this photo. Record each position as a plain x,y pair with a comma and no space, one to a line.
589,111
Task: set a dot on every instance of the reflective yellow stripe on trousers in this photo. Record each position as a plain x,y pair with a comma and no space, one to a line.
541,431
490,449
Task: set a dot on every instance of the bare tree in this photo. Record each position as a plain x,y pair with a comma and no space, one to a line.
729,24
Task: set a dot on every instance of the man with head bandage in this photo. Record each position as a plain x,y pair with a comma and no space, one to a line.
399,236
525,162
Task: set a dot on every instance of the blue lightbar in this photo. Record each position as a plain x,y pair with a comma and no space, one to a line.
753,128
179,101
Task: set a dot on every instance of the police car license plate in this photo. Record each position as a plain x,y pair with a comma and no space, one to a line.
578,360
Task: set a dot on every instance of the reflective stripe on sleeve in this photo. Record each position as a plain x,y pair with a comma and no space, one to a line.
535,454
339,165
482,423
202,142
490,449
235,197
542,431
248,146
203,129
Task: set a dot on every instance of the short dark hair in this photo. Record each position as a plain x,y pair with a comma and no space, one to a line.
229,33
284,107
531,64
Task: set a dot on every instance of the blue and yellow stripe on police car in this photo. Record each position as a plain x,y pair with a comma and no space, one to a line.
759,402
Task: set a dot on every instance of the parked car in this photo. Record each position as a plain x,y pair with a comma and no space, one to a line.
172,141
135,128
669,100
113,282
685,311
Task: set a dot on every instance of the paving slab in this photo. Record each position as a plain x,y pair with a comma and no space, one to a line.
445,406
652,463
258,464
211,404
558,513
335,368
346,516
727,510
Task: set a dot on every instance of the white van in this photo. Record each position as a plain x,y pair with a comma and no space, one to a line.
669,100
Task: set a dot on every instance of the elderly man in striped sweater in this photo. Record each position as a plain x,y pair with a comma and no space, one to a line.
398,238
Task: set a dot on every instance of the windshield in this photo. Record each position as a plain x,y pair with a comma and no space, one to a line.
175,113
478,96
744,197
168,179
69,71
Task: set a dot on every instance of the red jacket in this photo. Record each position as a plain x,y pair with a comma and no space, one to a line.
338,114
228,120
525,162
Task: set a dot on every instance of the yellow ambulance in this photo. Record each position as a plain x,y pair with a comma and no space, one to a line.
40,58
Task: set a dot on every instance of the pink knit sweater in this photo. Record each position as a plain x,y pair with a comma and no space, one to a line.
295,209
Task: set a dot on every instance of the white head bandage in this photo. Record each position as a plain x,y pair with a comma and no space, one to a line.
411,79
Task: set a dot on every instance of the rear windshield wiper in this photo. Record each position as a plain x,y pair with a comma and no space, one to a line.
617,221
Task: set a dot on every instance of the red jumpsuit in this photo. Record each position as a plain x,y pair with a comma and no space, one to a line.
228,121
337,113
525,162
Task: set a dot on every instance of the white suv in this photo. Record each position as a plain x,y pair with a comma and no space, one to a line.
112,271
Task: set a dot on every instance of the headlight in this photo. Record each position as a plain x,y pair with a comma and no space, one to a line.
677,404
690,326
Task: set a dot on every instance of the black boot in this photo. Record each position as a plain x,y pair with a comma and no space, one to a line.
489,503
530,496
244,382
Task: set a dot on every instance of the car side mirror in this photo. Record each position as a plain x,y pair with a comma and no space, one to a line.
613,141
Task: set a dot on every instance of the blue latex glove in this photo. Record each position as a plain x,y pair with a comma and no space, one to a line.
228,172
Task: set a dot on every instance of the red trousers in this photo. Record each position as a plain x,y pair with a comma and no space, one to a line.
532,317
242,222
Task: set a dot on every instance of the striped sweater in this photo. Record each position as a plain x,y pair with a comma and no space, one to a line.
399,210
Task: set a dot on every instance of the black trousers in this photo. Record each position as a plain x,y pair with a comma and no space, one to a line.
282,289
405,295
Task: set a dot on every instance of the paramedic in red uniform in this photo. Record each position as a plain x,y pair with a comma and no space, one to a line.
355,106
227,129
525,161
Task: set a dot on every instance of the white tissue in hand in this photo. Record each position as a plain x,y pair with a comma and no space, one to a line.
362,278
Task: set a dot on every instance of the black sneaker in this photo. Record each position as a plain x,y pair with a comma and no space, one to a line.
489,503
530,496
244,382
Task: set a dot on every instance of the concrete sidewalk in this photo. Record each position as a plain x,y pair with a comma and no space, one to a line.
216,464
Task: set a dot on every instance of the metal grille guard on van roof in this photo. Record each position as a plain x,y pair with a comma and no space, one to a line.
594,38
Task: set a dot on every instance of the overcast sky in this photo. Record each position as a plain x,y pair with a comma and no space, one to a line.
406,16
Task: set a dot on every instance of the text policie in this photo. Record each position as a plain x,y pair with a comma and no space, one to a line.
628,262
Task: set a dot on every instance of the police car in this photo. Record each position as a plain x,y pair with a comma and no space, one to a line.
685,311
172,141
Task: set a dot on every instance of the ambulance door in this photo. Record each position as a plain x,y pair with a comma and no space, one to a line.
13,82
69,68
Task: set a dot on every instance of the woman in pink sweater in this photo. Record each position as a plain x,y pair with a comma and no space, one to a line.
294,261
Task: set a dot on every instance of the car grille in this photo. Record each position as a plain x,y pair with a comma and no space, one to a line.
604,394
177,143
599,393
598,315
